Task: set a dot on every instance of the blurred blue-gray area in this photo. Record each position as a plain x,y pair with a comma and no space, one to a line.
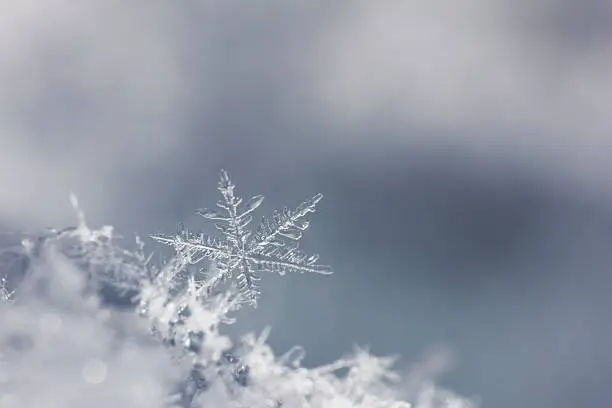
463,149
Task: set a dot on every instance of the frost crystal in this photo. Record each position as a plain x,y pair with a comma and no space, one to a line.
272,248
5,294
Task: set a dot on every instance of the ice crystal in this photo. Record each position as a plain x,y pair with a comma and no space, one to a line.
273,247
5,295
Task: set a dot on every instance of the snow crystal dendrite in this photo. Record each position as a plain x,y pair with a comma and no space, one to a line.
5,295
273,247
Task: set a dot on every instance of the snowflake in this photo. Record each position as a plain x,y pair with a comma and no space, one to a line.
6,296
273,247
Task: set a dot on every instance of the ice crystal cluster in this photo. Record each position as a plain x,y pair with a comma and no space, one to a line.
96,323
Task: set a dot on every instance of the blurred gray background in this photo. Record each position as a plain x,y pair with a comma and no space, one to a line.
463,148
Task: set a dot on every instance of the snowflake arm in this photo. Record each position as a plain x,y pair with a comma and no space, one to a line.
288,224
191,249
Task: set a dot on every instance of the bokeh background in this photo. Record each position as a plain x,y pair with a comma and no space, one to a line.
463,148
